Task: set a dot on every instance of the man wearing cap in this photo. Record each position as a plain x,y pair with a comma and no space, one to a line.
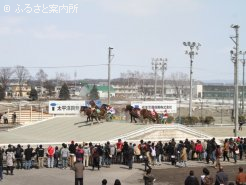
79,172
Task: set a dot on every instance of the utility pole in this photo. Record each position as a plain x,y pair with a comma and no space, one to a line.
109,72
243,62
163,68
193,47
155,67
234,55
159,63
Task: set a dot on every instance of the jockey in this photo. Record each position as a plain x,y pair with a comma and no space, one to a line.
153,112
165,115
110,110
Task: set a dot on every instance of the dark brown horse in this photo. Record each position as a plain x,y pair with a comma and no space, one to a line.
149,116
90,113
134,112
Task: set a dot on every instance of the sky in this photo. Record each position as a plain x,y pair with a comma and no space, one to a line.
76,38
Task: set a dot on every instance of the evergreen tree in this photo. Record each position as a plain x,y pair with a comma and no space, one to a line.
94,95
2,93
64,92
33,94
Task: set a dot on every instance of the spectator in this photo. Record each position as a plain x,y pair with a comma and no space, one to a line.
95,158
235,151
72,150
199,149
79,171
183,156
64,155
14,118
130,156
107,154
221,177
40,156
206,179
104,182
153,154
19,156
241,177
10,157
1,163
5,118
119,147
137,153
87,154
79,153
1,115
148,178
191,179
117,182
28,157
217,155
226,150
240,147
159,152
56,157
50,155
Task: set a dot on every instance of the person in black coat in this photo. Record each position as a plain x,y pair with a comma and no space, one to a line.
28,157
191,179
1,163
19,156
130,155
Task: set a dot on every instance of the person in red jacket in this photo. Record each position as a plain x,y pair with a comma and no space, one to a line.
199,150
119,147
50,155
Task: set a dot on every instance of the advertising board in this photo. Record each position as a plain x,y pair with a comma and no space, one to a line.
158,106
65,107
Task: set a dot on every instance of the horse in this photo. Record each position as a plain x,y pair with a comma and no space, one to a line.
150,116
134,112
90,113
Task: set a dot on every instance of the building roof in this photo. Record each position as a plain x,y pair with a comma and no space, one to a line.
102,88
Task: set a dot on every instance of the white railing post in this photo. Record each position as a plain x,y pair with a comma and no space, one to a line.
19,113
42,112
31,113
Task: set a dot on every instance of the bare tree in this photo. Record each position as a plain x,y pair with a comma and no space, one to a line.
61,78
41,77
22,76
180,81
5,75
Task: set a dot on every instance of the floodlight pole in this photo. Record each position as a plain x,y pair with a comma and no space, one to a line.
109,72
235,61
192,50
155,67
243,62
163,68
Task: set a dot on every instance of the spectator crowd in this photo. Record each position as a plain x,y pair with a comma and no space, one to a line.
96,156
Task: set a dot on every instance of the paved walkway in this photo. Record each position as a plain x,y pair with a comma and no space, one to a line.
127,177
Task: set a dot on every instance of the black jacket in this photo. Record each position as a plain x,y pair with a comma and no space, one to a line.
1,158
191,180
28,154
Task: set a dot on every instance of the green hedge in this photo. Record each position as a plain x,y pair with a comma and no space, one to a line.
194,120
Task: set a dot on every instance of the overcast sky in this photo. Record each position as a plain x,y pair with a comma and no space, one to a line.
138,30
